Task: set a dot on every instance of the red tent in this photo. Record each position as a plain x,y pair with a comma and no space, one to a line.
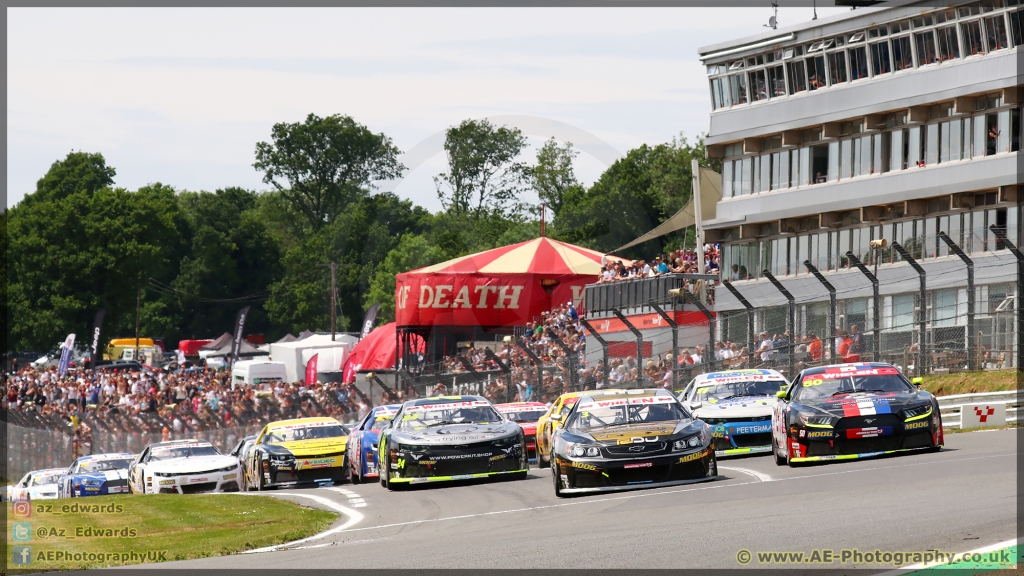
504,287
378,351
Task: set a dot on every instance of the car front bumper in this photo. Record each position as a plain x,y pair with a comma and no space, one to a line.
623,474
196,483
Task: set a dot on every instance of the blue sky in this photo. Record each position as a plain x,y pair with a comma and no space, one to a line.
181,96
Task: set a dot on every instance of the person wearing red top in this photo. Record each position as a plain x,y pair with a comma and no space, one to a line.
814,348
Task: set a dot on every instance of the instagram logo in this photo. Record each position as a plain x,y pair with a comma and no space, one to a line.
21,509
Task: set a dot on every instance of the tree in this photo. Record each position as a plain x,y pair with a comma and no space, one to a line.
328,164
634,195
483,176
78,172
413,251
553,177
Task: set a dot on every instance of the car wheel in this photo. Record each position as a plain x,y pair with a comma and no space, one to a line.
540,459
354,473
558,484
788,460
382,472
387,481
714,467
779,460
260,484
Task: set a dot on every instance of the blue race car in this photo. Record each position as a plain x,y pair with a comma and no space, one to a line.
362,442
95,475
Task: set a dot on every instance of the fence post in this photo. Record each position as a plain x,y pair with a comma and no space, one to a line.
571,358
639,338
971,338
1001,235
675,343
602,342
750,316
689,297
833,330
790,322
922,317
505,369
876,321
536,362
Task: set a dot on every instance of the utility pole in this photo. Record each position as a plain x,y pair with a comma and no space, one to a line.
334,300
138,308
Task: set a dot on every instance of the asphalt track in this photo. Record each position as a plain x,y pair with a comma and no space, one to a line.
960,499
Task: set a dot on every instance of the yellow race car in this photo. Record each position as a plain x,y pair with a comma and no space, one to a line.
300,451
552,419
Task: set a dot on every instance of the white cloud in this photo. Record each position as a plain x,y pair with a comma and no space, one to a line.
182,96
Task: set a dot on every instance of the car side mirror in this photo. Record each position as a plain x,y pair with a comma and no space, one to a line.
780,394
918,381
556,417
695,405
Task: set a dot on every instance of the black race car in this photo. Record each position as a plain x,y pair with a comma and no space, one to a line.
449,438
630,439
852,411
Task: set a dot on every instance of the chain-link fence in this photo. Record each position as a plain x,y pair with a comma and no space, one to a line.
36,441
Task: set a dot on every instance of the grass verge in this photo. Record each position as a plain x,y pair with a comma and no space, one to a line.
971,382
156,528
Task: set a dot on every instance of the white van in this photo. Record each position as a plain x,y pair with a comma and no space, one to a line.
261,374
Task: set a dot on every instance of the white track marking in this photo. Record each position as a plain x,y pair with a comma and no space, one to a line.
983,550
631,496
353,519
761,476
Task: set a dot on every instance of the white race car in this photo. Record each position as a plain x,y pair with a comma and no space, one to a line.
36,485
183,467
737,404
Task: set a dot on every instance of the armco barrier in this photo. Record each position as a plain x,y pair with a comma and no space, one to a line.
950,406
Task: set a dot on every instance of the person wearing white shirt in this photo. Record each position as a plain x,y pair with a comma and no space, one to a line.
764,350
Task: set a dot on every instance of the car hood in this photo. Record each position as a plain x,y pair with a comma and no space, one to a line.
193,464
456,433
625,434
315,447
866,403
102,476
745,407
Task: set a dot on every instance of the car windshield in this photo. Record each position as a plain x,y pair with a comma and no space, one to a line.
46,478
313,431
91,466
709,391
380,421
183,451
530,415
842,383
607,412
466,412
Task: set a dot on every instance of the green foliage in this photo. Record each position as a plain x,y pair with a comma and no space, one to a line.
413,251
638,192
328,164
483,178
553,177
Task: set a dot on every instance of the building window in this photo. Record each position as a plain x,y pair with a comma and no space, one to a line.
776,81
738,88
815,72
1016,28
972,38
727,179
797,77
758,88
858,63
926,53
949,47
804,165
719,93
996,28
880,62
914,146
902,56
833,161
931,148
837,68
846,158
944,309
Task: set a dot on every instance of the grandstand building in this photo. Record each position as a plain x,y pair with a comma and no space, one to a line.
893,122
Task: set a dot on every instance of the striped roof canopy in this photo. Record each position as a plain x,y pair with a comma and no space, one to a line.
538,256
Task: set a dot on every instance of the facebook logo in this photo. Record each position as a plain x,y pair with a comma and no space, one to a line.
21,554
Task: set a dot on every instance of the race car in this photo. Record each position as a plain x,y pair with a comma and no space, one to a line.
240,451
184,467
95,475
737,404
550,421
450,438
627,440
362,442
36,485
300,451
852,411
526,415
